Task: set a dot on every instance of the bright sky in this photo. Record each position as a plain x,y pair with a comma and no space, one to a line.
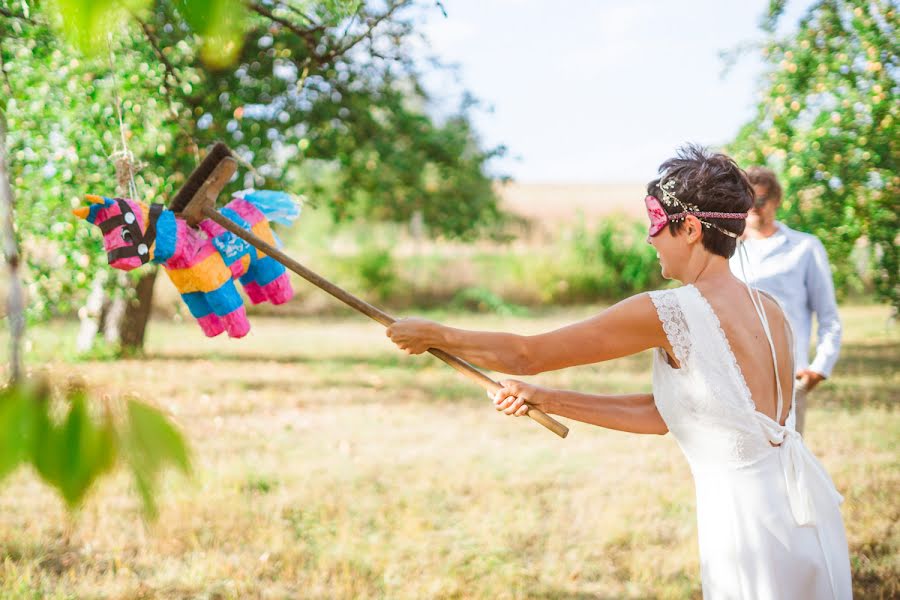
599,90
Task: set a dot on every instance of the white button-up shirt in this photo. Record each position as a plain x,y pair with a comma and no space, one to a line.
793,267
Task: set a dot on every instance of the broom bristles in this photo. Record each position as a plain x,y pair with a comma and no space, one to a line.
216,154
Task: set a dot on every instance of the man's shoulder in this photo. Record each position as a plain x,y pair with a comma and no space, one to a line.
800,238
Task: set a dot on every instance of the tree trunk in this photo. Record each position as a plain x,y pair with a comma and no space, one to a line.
16,305
91,314
137,313
114,307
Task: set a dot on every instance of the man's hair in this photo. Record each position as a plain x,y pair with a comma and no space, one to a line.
766,178
712,182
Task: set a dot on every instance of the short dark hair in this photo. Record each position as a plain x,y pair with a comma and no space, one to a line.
713,182
766,178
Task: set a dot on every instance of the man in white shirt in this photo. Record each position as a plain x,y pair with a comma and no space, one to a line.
793,267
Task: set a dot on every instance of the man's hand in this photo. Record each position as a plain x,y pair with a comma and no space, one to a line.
809,379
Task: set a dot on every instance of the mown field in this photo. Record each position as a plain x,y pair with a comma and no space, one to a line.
329,465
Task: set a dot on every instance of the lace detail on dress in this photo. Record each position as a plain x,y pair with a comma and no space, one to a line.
714,319
673,322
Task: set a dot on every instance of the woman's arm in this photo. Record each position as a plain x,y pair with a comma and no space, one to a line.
628,327
634,413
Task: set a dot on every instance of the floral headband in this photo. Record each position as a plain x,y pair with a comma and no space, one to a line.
659,218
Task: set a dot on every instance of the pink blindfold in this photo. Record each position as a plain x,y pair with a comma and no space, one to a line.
658,217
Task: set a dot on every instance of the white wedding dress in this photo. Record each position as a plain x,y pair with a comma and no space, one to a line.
768,519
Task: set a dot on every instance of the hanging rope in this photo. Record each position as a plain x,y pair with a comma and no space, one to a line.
257,178
123,159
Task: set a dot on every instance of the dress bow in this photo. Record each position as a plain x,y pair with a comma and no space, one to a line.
804,475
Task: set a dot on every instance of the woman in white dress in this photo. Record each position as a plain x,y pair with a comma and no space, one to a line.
768,514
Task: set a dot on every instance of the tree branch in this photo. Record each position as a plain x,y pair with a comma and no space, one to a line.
311,38
302,15
307,35
157,49
373,22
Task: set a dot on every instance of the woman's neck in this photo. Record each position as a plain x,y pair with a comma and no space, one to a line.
705,267
765,230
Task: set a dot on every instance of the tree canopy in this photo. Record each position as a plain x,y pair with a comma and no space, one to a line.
827,123
324,98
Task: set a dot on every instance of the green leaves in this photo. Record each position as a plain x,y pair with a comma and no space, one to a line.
71,450
18,411
773,13
150,444
220,24
86,23
71,455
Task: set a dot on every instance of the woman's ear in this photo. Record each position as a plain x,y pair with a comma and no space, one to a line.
694,228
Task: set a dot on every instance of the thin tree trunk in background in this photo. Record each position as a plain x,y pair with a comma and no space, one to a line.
11,251
90,315
137,314
114,307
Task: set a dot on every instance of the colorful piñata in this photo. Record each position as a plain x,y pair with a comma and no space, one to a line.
202,263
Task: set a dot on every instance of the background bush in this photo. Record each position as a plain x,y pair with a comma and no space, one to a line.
609,262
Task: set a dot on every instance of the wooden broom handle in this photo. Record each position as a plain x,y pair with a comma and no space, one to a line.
371,311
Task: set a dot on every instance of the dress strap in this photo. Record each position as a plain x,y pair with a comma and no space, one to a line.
756,300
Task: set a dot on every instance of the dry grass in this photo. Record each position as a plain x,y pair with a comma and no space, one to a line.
330,466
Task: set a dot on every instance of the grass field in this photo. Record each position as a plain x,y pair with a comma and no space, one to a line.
329,465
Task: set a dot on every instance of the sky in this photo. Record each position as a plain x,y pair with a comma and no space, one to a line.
598,91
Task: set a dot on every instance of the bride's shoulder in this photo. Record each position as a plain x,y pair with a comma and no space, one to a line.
673,292
683,294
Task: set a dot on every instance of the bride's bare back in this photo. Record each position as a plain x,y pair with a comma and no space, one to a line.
744,330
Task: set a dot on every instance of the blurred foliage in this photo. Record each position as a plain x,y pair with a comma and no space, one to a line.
220,25
70,448
572,263
374,269
324,104
827,123
608,262
482,299
151,442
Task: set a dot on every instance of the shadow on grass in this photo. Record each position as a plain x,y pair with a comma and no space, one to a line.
881,358
383,361
875,574
638,363
555,594
876,364
54,557
358,391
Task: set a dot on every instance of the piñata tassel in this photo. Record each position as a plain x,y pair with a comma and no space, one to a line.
279,207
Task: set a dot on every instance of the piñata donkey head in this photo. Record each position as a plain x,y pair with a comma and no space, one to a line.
128,226
202,263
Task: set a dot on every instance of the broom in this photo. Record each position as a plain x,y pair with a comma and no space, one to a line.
196,201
